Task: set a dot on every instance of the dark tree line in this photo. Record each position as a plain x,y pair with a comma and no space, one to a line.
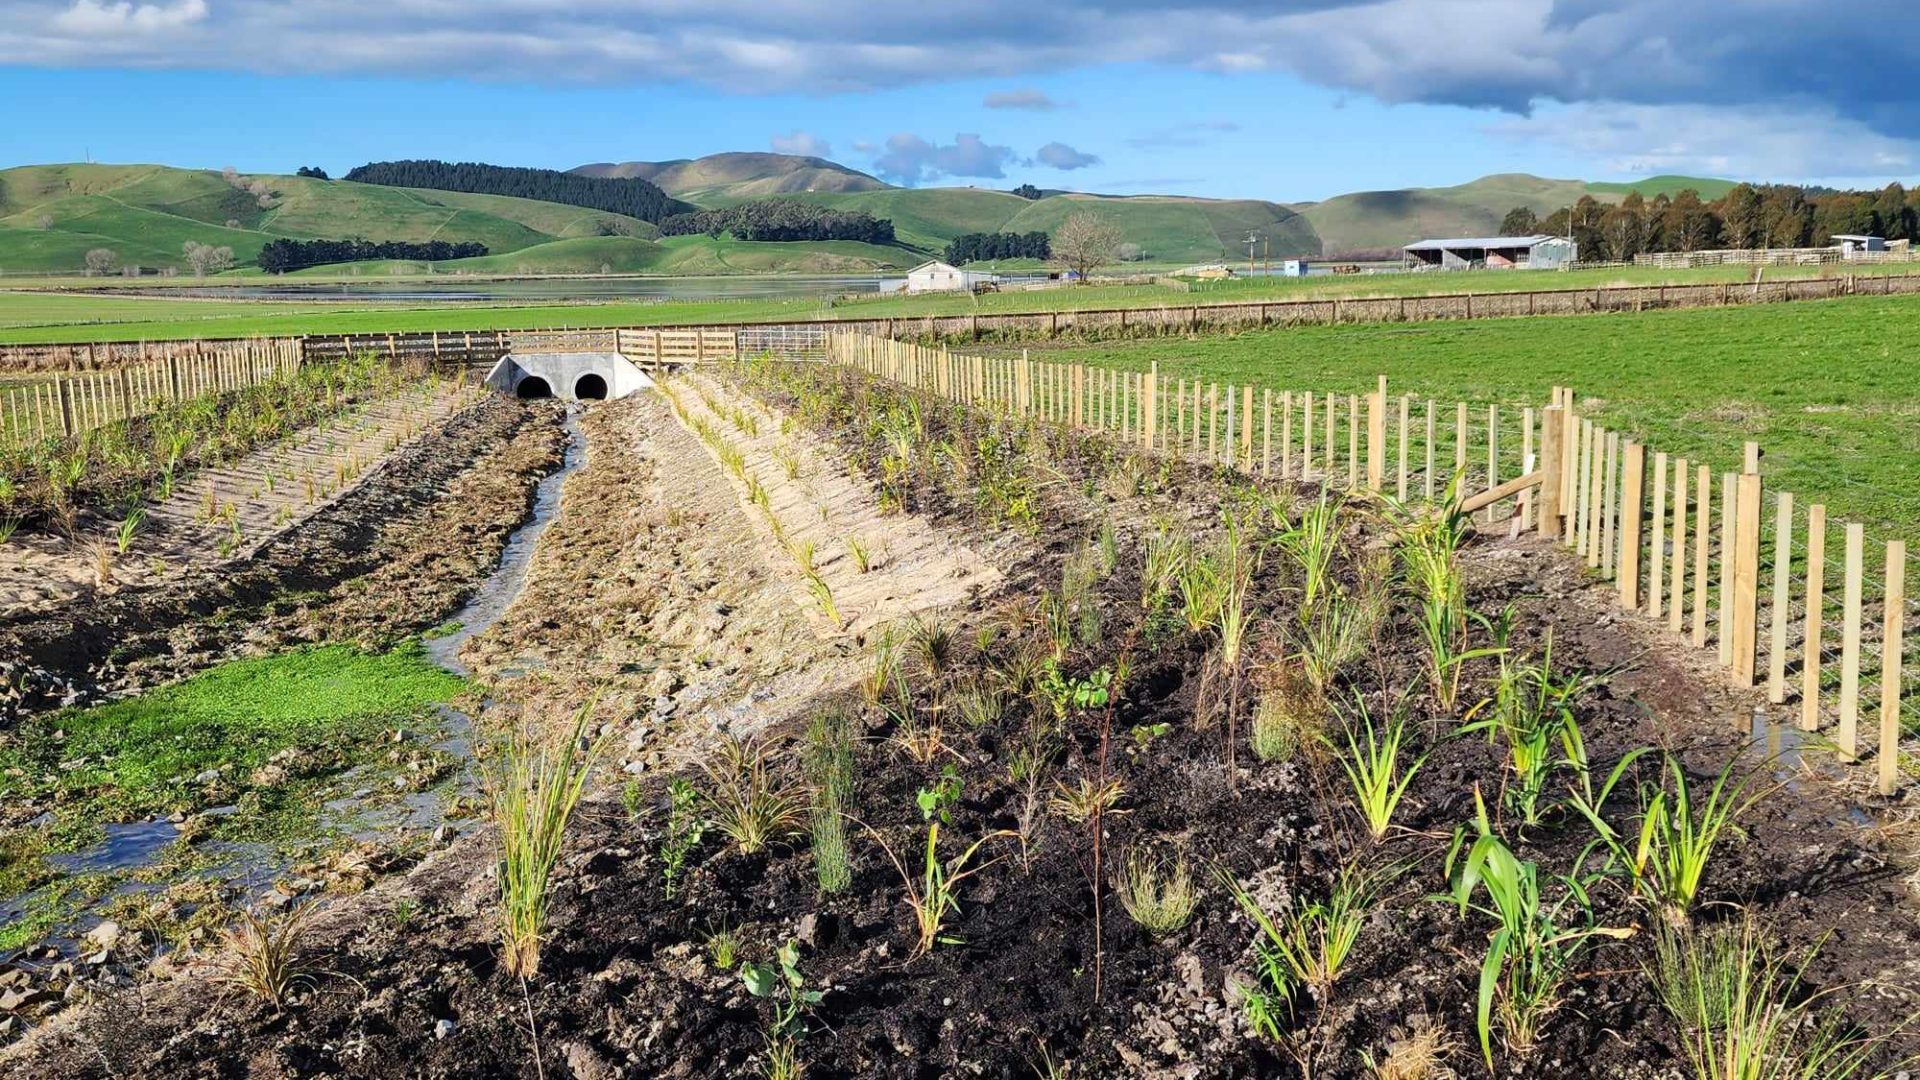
1747,216
1027,191
782,219
980,247
312,172
631,196
280,256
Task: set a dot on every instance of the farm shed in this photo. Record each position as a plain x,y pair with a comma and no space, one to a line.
1851,243
937,276
1539,252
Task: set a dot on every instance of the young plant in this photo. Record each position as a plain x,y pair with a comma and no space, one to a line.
1303,948
535,786
1372,764
934,894
1668,859
261,954
1158,894
783,984
685,827
830,774
862,556
1534,948
1290,716
1531,711
129,528
1429,554
723,945
1311,544
746,800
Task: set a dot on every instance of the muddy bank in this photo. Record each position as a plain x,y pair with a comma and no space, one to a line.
394,556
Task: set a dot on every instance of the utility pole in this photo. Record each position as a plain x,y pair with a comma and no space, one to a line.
1252,239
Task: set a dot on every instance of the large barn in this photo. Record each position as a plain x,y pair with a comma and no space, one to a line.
1538,252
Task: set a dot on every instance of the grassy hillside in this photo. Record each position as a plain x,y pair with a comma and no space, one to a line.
1379,220
53,214
719,178
1708,188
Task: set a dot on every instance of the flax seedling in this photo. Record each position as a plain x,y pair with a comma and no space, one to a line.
1668,859
1311,544
1371,761
1531,711
534,788
1303,948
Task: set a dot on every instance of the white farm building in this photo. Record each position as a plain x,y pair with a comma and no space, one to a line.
1539,252
937,276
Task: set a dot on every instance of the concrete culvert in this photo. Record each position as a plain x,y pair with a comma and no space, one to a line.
533,386
590,387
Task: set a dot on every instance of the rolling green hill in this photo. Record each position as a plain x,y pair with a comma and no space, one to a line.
732,177
51,215
1385,220
1706,187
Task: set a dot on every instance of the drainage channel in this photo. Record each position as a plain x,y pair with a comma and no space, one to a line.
361,814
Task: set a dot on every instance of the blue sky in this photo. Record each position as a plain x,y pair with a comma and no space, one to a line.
1281,99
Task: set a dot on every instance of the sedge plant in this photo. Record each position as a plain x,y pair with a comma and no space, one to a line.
535,786
1371,761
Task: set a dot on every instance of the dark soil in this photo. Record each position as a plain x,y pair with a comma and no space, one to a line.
627,989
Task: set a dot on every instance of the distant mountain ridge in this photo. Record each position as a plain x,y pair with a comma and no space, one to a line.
736,176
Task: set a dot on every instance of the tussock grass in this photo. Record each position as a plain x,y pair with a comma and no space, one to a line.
534,785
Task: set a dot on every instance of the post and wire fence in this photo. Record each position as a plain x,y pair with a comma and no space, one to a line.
1781,596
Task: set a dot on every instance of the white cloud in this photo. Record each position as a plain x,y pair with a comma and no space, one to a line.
94,17
803,143
910,159
1808,142
1058,155
1030,99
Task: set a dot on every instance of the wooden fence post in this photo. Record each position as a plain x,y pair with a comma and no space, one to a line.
1657,545
1631,494
1782,599
1746,578
1400,489
1552,448
1847,736
1729,509
1377,436
1702,522
1810,657
1890,665
1353,442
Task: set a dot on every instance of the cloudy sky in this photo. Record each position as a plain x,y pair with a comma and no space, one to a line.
1283,99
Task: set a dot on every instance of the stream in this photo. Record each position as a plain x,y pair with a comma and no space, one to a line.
362,812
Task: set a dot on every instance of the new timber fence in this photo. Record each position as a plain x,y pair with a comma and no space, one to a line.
72,403
1718,561
807,339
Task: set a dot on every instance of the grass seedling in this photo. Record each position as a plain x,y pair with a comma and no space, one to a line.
1157,894
829,764
260,955
823,600
535,787
746,800
723,945
859,552
1372,764
129,528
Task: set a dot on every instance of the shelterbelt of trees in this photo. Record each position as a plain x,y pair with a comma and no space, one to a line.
978,247
1747,216
631,196
782,219
280,256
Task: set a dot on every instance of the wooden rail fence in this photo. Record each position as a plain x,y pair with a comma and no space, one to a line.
1717,561
484,347
68,404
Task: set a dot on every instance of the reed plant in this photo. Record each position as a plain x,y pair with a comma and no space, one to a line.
534,785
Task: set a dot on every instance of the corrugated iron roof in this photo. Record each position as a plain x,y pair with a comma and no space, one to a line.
1481,242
